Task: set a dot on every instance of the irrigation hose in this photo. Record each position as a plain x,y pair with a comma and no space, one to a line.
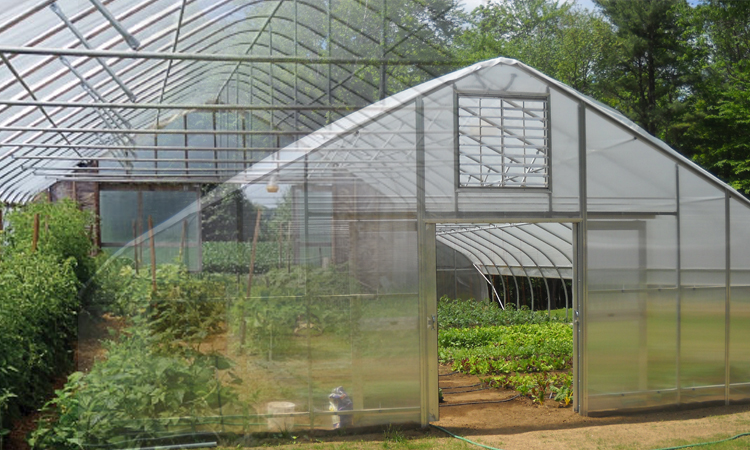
480,403
700,444
461,392
464,439
457,387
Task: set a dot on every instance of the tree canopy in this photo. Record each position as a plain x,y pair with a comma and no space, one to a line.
680,70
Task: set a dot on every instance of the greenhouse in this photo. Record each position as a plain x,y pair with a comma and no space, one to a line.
285,188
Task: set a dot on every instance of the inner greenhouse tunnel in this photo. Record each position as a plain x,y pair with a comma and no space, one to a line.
354,213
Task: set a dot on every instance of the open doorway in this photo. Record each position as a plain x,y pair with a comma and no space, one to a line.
505,303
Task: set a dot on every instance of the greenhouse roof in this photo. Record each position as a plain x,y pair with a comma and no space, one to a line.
84,82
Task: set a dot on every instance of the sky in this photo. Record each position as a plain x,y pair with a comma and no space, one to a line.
471,4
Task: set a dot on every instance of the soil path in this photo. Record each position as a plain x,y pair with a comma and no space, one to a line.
521,424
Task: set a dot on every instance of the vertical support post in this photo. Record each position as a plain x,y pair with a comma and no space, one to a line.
728,298
678,283
581,297
152,244
642,309
427,286
329,47
383,72
35,233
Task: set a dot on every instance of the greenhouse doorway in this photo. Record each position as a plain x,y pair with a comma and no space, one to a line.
504,303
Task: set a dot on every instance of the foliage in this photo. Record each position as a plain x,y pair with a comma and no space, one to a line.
569,44
300,299
234,257
519,348
714,130
537,386
38,307
471,313
652,60
63,234
137,393
227,215
184,307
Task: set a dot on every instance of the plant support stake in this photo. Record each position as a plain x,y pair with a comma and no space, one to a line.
152,244
35,235
250,275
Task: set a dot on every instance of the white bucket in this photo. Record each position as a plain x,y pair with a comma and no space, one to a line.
278,424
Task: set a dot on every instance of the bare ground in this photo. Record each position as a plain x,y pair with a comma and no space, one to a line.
521,424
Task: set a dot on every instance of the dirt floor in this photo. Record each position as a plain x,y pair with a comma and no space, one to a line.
521,424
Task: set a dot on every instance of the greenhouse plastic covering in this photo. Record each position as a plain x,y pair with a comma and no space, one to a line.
515,173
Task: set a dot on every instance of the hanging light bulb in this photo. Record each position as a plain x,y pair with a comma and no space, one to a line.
273,184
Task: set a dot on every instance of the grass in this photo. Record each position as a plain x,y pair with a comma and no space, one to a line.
394,439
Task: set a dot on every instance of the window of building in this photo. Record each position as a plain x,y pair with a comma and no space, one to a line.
503,142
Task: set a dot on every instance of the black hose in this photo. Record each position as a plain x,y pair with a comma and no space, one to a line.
457,387
480,403
461,392
447,374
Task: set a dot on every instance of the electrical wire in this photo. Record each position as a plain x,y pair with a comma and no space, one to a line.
464,439
481,403
700,444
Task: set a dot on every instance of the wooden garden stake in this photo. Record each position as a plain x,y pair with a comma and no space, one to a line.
35,235
135,246
183,240
250,276
281,261
153,252
252,253
288,249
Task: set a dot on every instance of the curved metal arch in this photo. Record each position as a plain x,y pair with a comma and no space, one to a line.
565,291
515,280
523,267
532,260
562,238
549,297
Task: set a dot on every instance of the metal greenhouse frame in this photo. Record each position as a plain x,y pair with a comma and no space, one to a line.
378,157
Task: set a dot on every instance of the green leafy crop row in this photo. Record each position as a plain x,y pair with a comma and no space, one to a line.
457,313
506,349
234,257
559,386
39,299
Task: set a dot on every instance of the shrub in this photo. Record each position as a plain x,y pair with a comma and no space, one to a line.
38,305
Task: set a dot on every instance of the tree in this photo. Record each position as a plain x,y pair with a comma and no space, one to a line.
716,131
567,43
652,65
